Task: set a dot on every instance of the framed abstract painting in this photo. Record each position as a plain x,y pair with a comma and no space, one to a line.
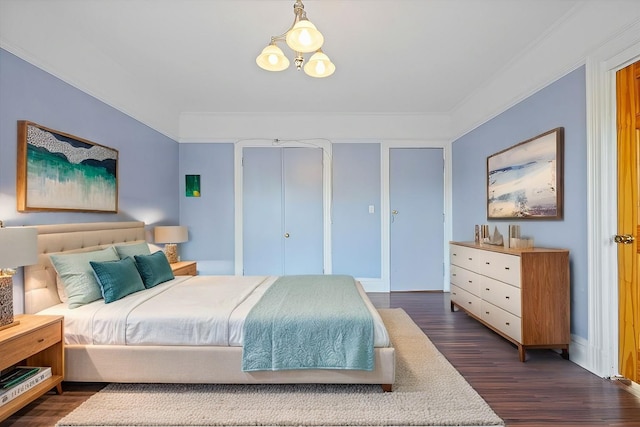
525,181
61,172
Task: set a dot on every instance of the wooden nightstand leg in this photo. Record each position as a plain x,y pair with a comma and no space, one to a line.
59,388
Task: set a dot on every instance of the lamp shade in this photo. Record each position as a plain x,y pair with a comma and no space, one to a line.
272,59
18,247
319,65
304,37
170,234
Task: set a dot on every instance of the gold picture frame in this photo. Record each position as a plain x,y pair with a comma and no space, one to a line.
57,171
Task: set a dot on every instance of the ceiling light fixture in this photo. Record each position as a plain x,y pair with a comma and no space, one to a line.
301,37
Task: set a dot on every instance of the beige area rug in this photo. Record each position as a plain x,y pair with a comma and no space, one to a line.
428,392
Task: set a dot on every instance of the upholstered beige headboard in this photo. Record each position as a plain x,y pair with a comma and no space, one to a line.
40,289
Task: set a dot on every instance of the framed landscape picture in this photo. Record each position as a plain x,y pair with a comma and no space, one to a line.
525,181
61,172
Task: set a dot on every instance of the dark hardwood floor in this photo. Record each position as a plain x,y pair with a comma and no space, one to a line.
546,390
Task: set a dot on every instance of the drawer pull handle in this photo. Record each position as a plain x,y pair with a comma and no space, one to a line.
506,268
41,340
470,281
486,312
453,274
507,323
487,262
507,297
487,289
454,293
470,259
470,302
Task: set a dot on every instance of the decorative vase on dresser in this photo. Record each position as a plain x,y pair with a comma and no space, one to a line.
521,294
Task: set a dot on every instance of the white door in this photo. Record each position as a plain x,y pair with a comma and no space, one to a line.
282,211
416,199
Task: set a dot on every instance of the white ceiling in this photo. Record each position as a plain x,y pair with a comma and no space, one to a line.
158,59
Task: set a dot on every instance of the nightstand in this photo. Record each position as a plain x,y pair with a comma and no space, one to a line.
35,341
184,268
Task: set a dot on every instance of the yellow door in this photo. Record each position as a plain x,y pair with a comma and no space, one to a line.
628,126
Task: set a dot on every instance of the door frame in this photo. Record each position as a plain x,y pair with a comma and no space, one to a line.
599,352
323,144
385,147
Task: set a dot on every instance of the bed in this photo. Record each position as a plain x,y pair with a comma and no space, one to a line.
110,358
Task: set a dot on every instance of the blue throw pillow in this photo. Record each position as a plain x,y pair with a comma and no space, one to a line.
117,279
132,249
154,269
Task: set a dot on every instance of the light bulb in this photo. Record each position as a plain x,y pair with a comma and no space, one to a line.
320,68
305,37
273,59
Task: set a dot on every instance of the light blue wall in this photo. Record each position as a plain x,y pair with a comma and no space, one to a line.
148,171
356,185
356,235
210,218
561,104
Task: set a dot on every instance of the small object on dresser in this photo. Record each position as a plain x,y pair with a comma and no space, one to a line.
20,380
477,234
496,239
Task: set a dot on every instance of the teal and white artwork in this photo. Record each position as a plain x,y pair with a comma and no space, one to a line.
62,172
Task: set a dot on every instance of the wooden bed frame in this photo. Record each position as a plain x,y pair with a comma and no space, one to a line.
160,364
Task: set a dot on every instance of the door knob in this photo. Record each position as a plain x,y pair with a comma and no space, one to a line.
625,239
286,235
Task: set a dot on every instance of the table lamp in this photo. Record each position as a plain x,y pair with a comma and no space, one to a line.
18,247
170,235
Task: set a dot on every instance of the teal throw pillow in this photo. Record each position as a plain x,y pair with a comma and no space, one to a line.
154,269
76,274
117,278
132,250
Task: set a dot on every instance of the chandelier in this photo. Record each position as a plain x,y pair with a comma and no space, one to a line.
301,37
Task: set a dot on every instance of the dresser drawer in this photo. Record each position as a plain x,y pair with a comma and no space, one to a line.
502,320
466,300
503,267
502,295
468,258
465,279
31,343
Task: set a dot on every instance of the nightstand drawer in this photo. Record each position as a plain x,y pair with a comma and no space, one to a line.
184,268
29,344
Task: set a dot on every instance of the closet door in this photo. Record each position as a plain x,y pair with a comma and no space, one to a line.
282,211
302,219
416,198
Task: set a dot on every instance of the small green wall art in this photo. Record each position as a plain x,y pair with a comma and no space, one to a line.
61,172
192,185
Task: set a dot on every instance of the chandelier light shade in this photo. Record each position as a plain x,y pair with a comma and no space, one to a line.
319,65
272,59
302,37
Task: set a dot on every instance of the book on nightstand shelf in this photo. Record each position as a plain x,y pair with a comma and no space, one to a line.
19,380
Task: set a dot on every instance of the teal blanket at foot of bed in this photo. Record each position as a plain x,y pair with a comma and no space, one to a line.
309,322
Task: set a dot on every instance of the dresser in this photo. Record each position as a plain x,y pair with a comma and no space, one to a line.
521,294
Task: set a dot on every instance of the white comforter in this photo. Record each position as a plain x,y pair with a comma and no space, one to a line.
188,310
